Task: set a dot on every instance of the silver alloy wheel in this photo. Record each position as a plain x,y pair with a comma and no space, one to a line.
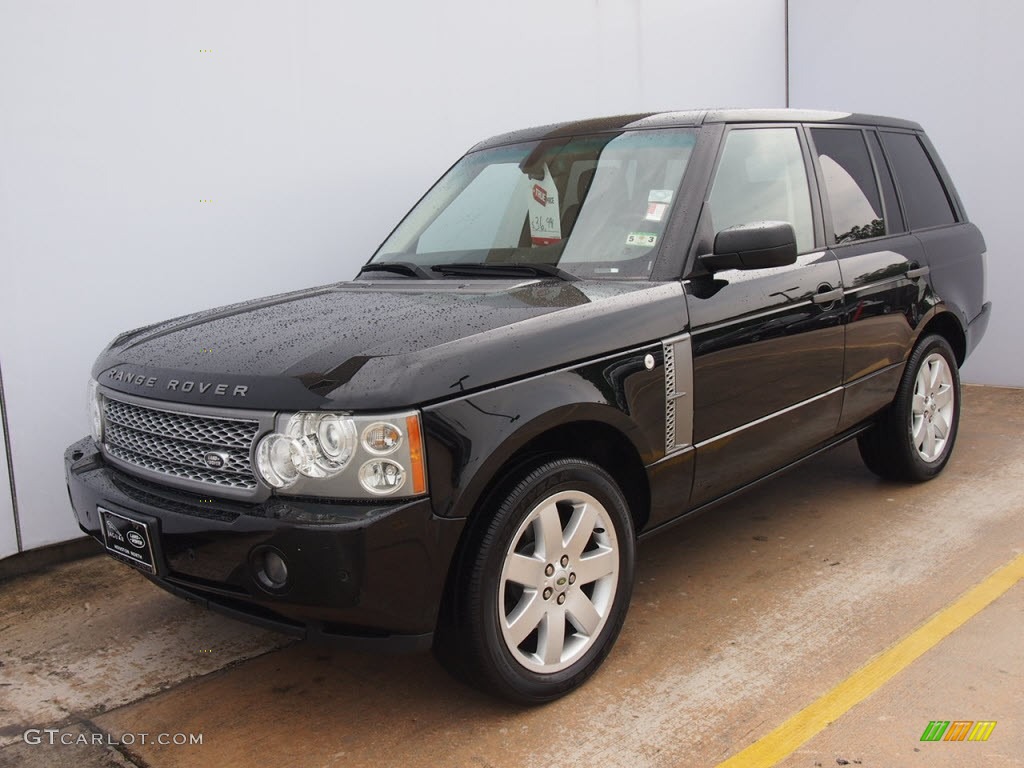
933,408
558,581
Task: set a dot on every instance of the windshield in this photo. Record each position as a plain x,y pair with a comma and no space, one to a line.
592,206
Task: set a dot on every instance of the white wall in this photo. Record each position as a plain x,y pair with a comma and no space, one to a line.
312,126
954,67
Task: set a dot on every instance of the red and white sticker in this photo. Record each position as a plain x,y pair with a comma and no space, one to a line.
656,211
545,220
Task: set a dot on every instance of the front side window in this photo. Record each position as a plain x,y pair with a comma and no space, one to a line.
923,194
850,183
594,206
762,177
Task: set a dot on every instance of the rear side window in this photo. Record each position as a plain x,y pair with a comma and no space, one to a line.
925,198
893,217
850,182
762,177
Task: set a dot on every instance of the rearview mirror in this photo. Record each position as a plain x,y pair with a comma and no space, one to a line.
756,245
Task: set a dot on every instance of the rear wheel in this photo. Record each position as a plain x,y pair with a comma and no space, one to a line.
914,437
548,587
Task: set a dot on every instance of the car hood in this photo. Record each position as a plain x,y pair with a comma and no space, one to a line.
382,344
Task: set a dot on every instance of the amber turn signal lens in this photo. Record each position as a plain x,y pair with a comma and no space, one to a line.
418,470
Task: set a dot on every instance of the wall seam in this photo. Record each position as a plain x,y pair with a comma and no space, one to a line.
786,4
10,462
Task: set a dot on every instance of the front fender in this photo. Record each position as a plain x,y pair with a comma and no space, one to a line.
470,439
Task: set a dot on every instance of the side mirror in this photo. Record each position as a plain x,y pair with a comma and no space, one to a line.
757,245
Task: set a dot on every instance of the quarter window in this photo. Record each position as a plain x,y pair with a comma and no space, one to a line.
924,196
762,177
850,183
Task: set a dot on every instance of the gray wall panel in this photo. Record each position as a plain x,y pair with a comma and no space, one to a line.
954,67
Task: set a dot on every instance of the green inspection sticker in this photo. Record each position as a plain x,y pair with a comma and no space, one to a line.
644,239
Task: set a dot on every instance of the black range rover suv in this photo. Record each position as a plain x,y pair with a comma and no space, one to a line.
583,333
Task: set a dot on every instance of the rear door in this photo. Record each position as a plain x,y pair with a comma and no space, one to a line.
953,246
882,265
768,343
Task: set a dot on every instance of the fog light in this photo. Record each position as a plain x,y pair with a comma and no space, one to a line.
271,568
381,476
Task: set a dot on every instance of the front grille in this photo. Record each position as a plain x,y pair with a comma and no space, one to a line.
175,444
185,504
198,429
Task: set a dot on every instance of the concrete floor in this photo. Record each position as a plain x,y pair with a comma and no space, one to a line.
738,620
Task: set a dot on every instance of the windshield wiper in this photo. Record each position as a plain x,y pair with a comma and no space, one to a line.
493,269
406,268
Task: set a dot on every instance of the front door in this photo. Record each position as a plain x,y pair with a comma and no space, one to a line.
767,343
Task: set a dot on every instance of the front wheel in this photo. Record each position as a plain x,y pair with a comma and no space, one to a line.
548,587
914,437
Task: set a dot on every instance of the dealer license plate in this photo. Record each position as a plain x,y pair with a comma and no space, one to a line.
128,539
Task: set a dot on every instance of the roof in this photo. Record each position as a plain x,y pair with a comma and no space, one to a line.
695,117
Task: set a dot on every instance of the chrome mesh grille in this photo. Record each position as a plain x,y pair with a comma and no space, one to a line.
670,402
198,429
678,358
175,444
176,451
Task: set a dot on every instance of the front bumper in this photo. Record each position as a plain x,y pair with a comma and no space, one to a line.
365,573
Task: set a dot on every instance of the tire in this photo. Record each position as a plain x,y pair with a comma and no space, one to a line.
914,437
536,616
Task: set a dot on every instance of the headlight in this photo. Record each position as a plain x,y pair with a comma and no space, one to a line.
325,443
275,460
95,405
310,452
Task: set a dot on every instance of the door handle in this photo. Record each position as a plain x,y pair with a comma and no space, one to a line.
916,271
826,295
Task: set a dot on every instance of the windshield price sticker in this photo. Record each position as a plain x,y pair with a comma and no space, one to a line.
645,239
659,196
545,224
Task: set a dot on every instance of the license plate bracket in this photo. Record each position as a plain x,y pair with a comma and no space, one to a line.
129,539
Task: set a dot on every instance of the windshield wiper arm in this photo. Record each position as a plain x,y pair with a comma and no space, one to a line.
517,269
406,268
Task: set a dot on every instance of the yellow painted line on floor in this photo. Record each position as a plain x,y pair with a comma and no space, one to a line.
810,721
